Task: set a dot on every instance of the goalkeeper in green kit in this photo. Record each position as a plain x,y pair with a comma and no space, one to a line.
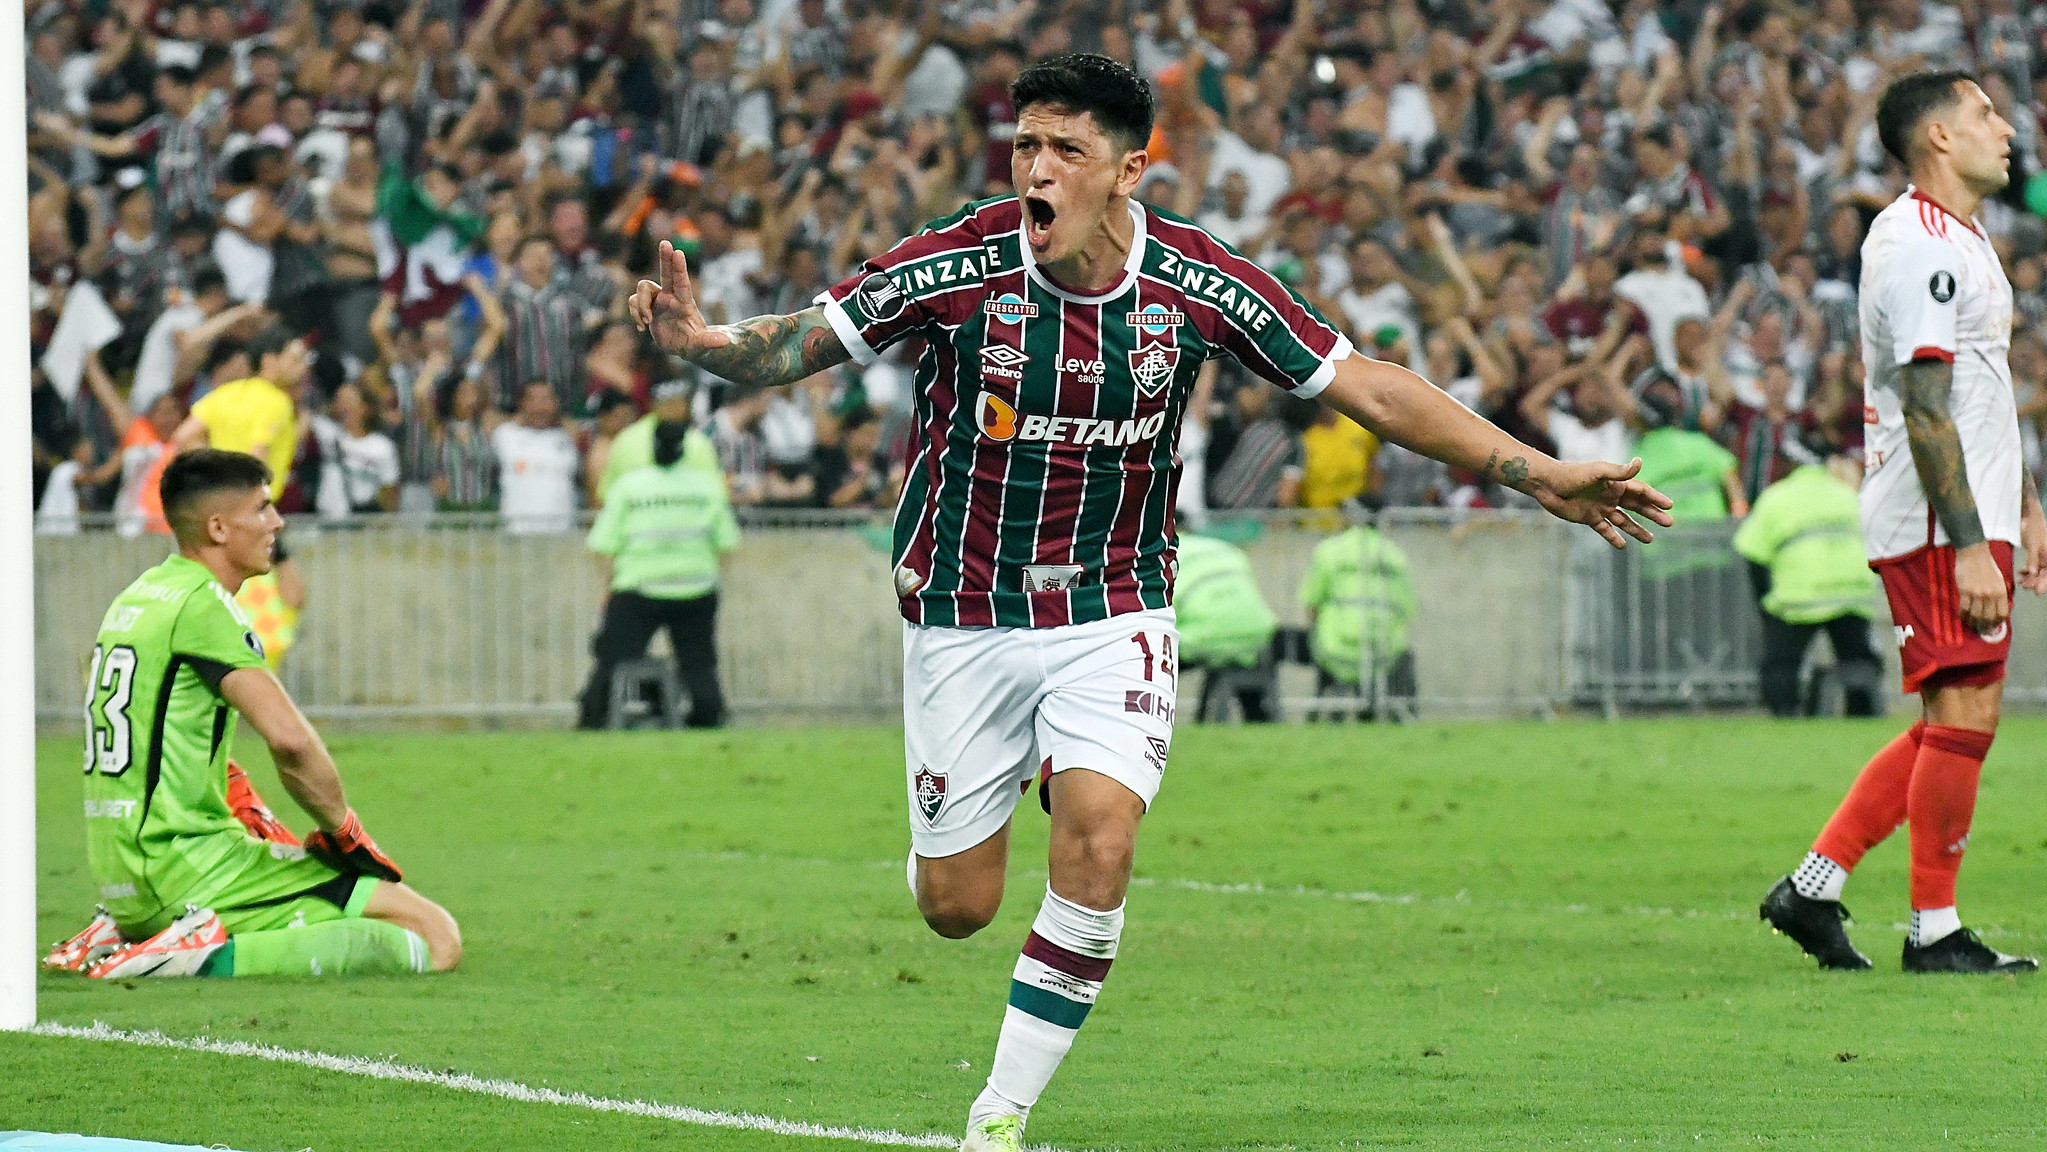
195,877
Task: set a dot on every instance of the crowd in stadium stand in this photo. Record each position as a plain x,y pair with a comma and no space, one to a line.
1584,219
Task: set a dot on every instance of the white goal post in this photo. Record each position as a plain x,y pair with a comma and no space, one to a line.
18,950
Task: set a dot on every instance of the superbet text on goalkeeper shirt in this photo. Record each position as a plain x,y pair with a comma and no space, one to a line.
158,733
1045,462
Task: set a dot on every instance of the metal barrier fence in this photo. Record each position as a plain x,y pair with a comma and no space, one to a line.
453,619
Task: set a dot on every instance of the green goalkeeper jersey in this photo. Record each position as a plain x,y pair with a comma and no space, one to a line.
157,739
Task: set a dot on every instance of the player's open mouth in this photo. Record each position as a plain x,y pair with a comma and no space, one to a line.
1038,217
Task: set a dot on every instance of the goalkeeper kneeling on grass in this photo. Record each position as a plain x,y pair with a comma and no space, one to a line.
195,876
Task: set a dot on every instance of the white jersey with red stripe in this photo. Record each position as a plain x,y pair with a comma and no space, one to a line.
1933,289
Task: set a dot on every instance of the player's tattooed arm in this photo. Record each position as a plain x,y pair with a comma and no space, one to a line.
1937,450
772,350
1513,473
766,350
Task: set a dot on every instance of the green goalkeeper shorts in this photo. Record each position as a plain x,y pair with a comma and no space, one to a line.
253,885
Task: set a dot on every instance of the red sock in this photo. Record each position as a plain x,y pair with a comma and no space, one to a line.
1941,804
1875,805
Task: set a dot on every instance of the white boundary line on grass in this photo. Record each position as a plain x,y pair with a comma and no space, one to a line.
502,1089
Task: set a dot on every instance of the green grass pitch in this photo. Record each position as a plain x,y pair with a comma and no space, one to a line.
1565,954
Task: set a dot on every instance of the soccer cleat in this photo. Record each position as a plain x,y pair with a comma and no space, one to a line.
995,1134
1961,951
100,939
1815,925
178,950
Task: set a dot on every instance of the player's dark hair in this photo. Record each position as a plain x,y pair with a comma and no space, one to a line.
1118,98
1907,103
208,280
192,476
668,438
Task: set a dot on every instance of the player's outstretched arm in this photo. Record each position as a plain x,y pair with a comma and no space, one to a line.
1936,446
303,765
1402,407
765,350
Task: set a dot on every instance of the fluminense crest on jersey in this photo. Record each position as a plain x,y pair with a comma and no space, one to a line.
1152,365
1047,418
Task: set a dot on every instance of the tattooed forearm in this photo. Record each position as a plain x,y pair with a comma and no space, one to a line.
2029,493
1937,450
1513,473
772,350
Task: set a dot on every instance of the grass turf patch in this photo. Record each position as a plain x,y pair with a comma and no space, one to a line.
1478,936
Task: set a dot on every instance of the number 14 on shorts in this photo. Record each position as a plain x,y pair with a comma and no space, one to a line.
1157,653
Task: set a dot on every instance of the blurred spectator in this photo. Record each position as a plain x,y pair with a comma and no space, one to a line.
465,461
633,447
257,414
1359,599
543,329
536,458
1266,462
1336,460
1803,545
359,464
853,471
742,453
1701,478
1224,623
662,536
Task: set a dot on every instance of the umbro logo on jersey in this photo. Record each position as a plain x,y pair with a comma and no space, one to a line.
879,297
1003,362
1152,365
1007,307
1942,286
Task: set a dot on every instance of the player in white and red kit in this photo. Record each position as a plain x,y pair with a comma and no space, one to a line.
1062,331
1946,503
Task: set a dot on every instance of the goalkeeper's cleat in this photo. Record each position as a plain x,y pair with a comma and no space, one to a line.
179,950
100,939
1814,925
1961,951
995,1134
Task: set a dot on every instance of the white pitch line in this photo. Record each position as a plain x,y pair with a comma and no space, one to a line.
503,1089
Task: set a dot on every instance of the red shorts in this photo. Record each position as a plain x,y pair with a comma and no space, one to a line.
1935,648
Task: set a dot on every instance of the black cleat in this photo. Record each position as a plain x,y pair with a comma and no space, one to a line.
1960,951
1815,925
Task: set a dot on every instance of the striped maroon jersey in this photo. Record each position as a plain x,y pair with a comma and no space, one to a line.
1045,458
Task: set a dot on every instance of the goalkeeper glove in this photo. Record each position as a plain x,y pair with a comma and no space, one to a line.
251,811
350,849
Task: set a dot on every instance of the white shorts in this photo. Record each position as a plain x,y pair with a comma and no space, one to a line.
983,708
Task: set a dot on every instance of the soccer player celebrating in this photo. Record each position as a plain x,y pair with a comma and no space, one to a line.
188,890
1945,501
1063,329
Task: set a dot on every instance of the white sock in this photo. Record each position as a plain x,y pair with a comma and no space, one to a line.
1819,878
1931,924
1064,962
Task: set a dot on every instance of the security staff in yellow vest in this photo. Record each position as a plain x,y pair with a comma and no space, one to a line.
661,535
1803,544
